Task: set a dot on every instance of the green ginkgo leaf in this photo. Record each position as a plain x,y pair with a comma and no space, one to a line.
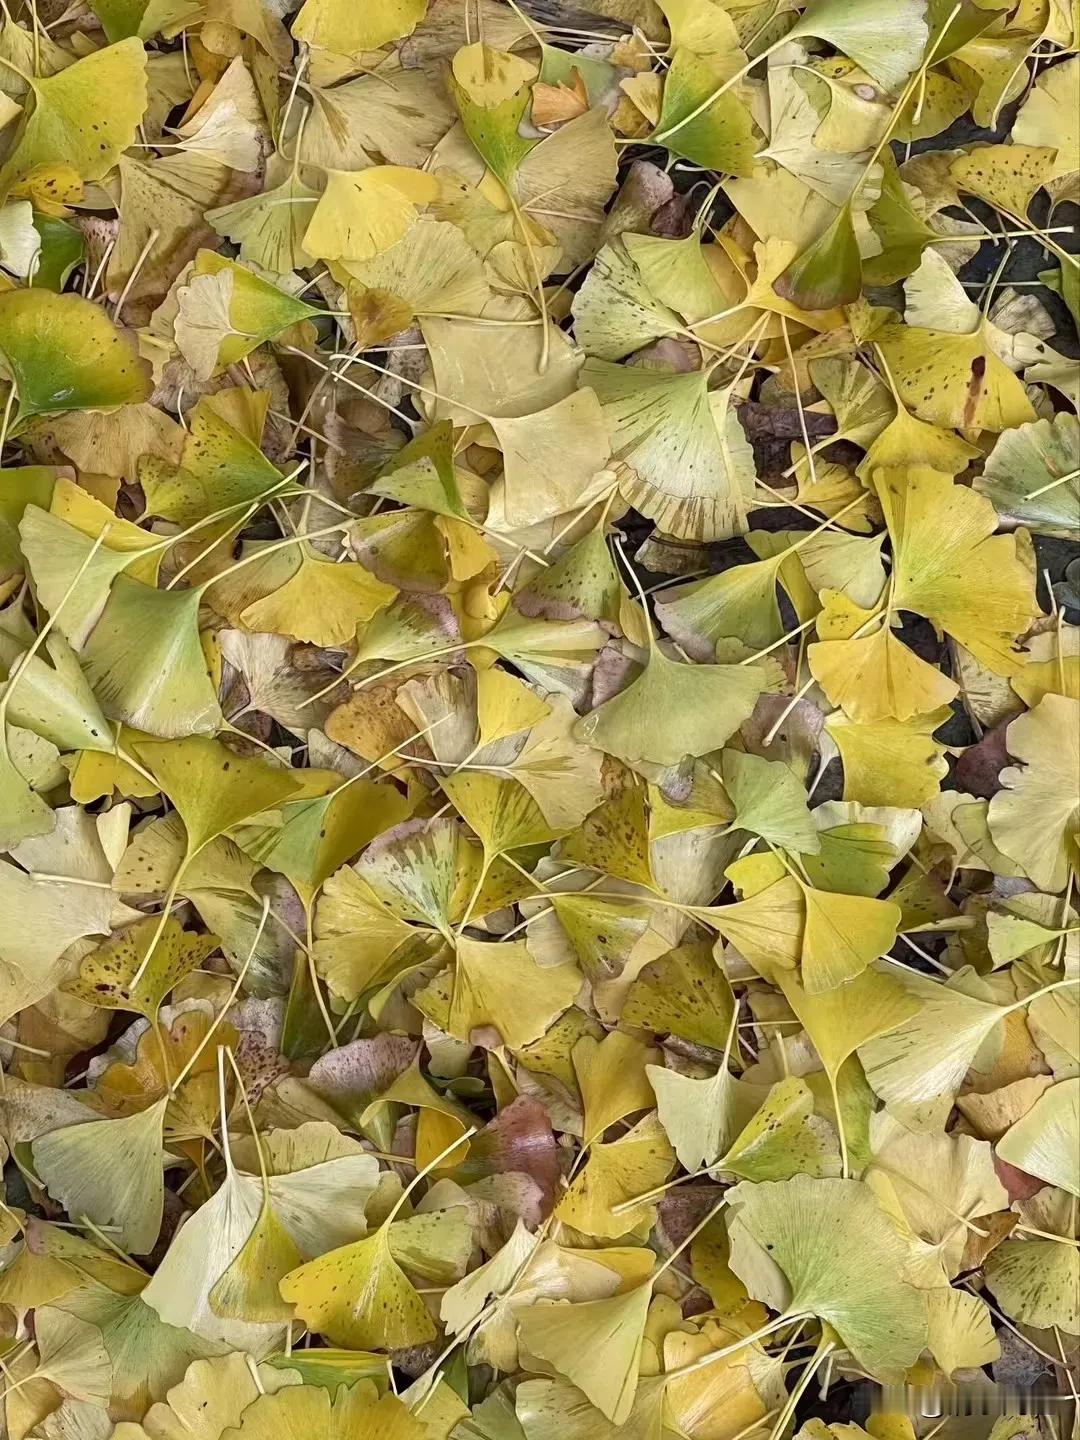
213,788
823,1234
673,710
145,661
63,353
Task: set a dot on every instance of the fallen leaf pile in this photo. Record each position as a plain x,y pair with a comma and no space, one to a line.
540,719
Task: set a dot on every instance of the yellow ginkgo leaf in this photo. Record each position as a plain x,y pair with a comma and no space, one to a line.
783,1138
843,934
673,710
1048,118
941,533
210,1398
877,677
212,787
322,602
703,1117
1037,1282
318,1412
955,380
615,837
249,1288
615,1174
611,1075
1034,817
684,993
1006,176
346,31
596,1344
363,212
501,987
891,762
766,928
86,115
1046,1141
111,1172
105,975
359,1296
907,440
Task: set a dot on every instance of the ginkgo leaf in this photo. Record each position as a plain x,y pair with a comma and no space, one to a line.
841,1020
1036,1282
616,1173
822,1234
316,836
877,677
362,213
616,310
596,1344
105,976
960,1333
310,1411
614,838
957,381
611,1076
502,812
717,134
358,1296
111,1172
601,935
145,662
317,1190
68,122
827,273
322,23
77,901
1046,1141
225,311
1027,475
683,993
842,935
321,602
551,459
211,1397
929,576
769,801
213,788
740,604
219,466
64,353
248,1290
925,1180
1033,817
491,90
920,1063
357,936
431,270
886,40
685,461
1006,176
1046,118
767,927
269,227
888,762
782,1138
703,1117
672,710
491,983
